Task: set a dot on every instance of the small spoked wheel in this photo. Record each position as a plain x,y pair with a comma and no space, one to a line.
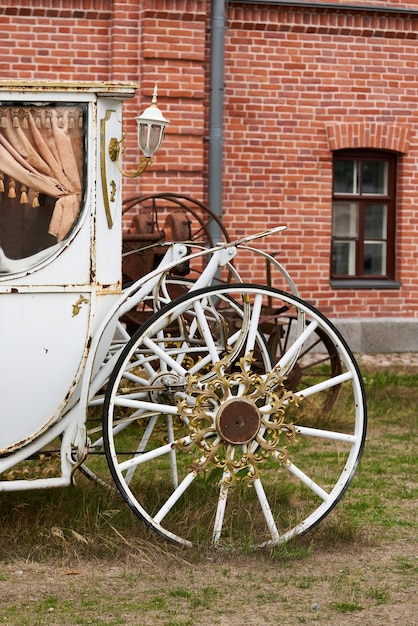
207,436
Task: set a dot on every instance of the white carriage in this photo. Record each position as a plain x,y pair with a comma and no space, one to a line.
214,403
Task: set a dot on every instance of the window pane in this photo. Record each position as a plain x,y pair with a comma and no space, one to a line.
375,258
375,221
42,180
375,177
363,210
344,258
345,219
346,176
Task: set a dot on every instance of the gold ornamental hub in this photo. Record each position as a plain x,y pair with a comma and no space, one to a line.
238,421
235,420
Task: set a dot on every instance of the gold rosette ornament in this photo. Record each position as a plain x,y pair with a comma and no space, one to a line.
236,420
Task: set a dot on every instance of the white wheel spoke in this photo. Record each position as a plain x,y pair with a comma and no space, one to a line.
175,496
326,384
221,504
253,323
131,395
145,457
164,357
206,331
142,445
265,507
122,422
296,347
144,365
134,378
146,406
200,364
147,434
220,508
172,453
308,482
326,434
251,329
161,346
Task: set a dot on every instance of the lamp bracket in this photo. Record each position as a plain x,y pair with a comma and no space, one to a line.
117,148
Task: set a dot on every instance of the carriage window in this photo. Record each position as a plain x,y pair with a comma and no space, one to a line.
41,180
363,211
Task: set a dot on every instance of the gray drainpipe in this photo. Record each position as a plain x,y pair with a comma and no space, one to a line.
216,112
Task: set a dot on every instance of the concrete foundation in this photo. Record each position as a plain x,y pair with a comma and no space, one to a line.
380,335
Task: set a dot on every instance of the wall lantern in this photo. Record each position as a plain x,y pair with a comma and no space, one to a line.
151,127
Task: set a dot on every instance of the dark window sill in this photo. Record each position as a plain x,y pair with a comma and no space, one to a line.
372,283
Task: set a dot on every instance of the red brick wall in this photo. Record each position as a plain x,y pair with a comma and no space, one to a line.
173,53
299,83
44,39
295,80
90,40
145,41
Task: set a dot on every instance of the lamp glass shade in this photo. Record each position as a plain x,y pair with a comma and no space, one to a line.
151,126
150,137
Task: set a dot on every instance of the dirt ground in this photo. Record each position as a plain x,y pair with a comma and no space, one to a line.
345,586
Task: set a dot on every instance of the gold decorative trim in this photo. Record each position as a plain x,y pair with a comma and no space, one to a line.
256,397
103,168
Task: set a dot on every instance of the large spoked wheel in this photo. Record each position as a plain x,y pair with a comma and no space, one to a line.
204,437
95,467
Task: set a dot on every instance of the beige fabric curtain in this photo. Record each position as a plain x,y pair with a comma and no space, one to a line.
41,148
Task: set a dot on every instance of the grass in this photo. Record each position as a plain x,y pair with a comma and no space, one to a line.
90,520
385,488
359,559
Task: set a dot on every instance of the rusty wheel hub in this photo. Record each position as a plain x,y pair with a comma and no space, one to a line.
238,421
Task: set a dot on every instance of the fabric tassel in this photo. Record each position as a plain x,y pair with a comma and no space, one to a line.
23,194
48,121
35,201
12,188
38,121
3,121
15,121
80,121
71,120
25,123
1,182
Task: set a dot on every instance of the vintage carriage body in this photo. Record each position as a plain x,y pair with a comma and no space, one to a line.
60,249
192,388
